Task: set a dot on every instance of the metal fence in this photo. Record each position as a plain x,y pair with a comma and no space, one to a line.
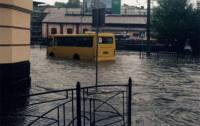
102,105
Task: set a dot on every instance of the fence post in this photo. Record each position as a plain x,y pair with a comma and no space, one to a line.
129,100
78,103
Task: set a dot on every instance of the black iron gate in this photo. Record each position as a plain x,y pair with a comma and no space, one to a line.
103,105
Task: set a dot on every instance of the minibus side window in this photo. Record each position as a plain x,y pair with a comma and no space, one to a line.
105,40
75,41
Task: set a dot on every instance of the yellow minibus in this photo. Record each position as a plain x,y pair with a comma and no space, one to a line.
83,46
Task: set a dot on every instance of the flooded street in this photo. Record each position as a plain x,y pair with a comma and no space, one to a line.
164,93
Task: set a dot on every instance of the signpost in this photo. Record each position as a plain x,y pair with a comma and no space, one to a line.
98,20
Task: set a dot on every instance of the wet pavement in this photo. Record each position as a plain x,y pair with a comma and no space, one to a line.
164,93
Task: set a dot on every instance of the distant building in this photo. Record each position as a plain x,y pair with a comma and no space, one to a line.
111,6
124,10
133,10
58,22
36,22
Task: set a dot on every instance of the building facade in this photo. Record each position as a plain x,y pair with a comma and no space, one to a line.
15,80
58,22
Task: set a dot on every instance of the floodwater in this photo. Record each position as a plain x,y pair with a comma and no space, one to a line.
164,93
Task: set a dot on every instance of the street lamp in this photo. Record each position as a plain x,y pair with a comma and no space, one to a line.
98,20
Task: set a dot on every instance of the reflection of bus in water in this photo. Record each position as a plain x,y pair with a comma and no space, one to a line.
83,46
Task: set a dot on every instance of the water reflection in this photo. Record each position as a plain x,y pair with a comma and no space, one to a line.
165,93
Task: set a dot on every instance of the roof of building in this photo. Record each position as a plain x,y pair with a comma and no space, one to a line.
56,15
37,2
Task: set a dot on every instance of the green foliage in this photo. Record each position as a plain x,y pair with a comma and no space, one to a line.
175,21
60,4
73,4
194,33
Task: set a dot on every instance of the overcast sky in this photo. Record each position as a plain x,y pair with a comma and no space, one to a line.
130,2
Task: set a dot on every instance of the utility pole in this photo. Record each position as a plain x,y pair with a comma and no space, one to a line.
82,16
97,51
148,27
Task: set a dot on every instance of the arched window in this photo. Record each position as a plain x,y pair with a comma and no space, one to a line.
69,31
53,31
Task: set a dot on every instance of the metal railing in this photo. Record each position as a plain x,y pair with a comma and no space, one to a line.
101,105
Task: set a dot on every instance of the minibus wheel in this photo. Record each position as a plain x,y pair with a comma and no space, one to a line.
52,54
76,57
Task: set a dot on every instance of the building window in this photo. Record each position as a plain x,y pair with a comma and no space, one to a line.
53,31
85,30
69,31
136,34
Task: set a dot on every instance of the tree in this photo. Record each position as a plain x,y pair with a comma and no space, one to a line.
73,4
173,22
60,4
194,34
